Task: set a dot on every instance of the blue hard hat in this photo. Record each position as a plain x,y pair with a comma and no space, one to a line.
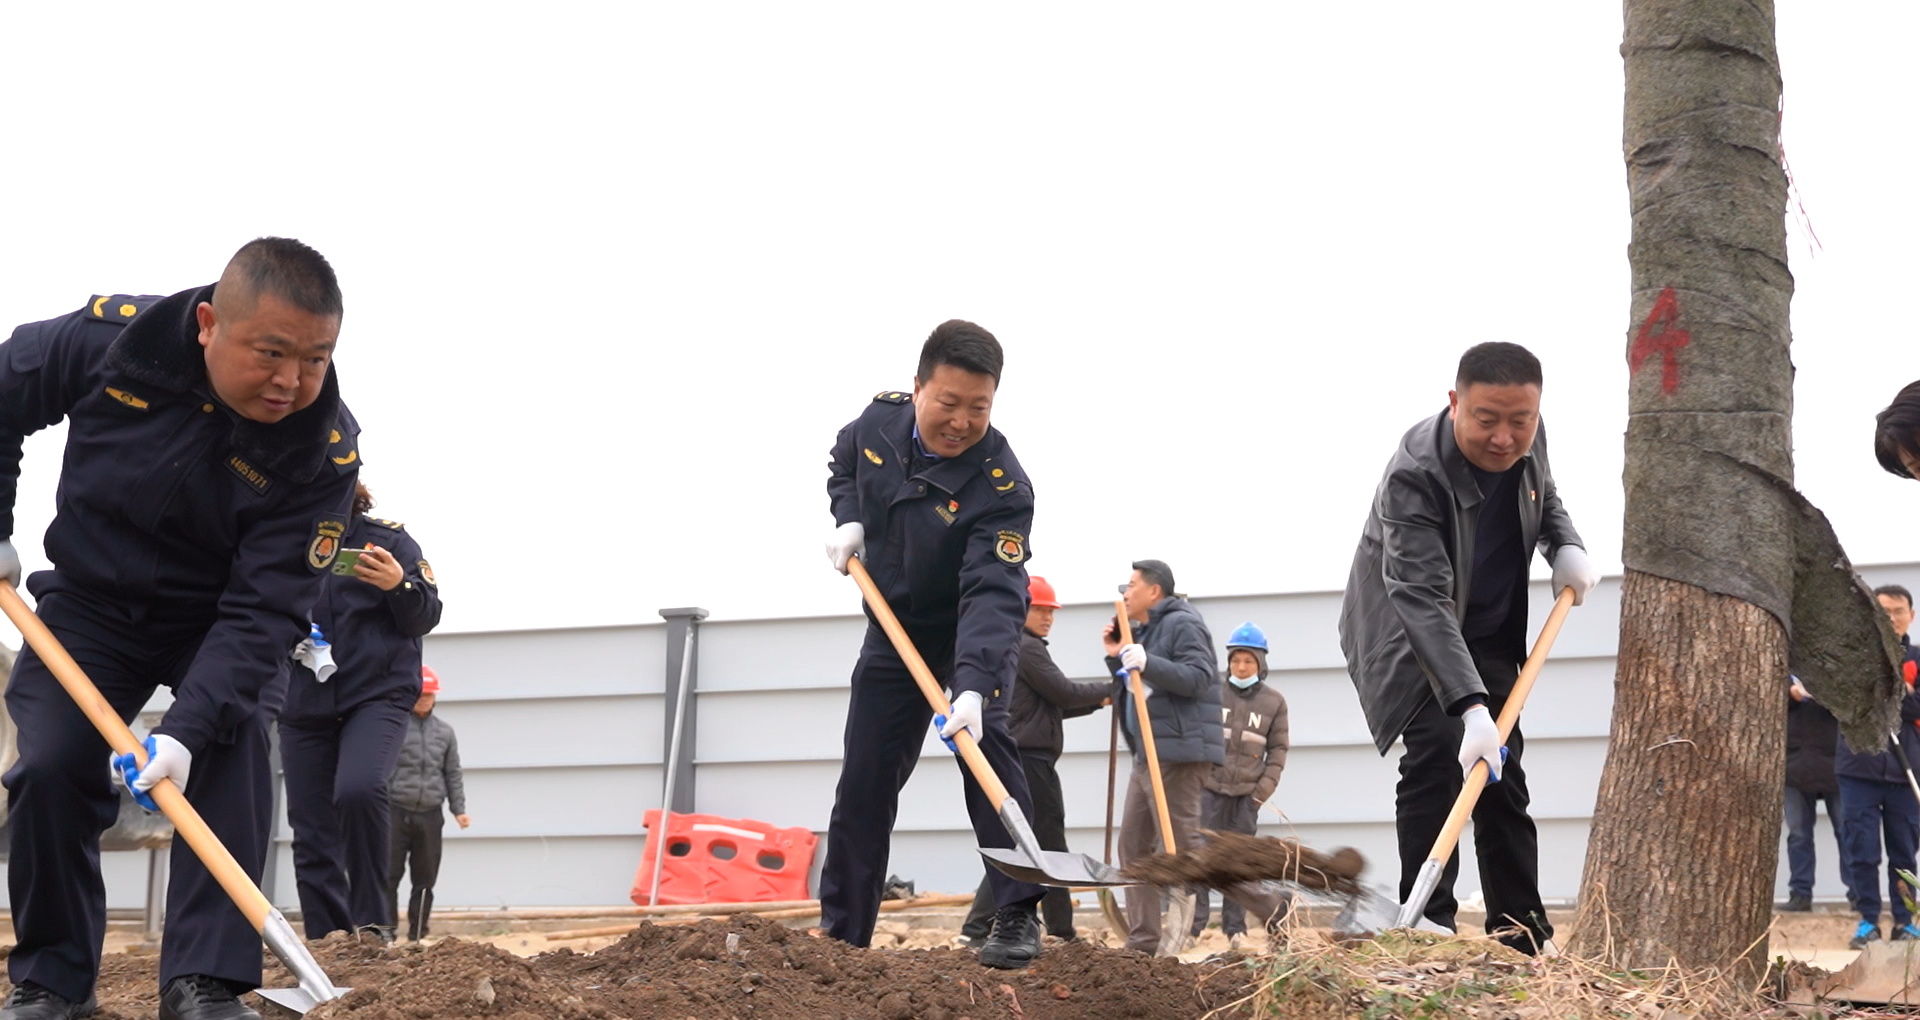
1247,636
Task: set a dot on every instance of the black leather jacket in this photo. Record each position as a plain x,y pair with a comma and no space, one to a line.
1408,591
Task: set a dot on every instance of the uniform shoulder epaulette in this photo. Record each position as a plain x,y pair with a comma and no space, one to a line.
116,307
891,397
343,450
390,525
1002,474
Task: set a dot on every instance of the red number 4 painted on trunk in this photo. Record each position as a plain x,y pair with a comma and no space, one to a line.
1666,311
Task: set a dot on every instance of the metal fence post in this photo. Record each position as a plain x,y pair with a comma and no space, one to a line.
683,639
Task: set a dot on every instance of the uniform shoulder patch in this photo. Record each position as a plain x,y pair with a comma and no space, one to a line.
324,547
1010,546
426,573
343,449
892,397
116,307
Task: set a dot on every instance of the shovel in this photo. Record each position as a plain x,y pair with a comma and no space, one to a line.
1026,861
314,987
1108,905
1180,914
1429,876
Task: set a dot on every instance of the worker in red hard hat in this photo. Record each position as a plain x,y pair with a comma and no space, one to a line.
427,777
1042,697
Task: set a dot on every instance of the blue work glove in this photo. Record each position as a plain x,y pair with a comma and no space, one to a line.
967,710
167,758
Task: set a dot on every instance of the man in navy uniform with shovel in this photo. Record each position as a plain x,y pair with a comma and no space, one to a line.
931,499
209,470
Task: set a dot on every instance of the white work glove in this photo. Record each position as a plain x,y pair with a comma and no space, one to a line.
316,653
1133,657
967,710
9,562
846,542
167,758
1572,569
1481,742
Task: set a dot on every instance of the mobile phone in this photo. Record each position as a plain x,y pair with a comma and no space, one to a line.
343,564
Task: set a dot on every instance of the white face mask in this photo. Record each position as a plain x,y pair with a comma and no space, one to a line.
1243,684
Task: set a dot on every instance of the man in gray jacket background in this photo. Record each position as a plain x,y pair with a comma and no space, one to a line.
1434,623
1174,653
427,776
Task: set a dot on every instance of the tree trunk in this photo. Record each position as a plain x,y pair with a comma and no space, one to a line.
1681,861
1682,857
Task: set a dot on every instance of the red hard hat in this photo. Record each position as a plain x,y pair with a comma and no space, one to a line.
1042,593
429,680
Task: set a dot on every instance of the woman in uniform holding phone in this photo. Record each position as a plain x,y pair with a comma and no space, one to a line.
353,684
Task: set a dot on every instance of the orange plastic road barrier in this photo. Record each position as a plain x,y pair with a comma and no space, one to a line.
725,860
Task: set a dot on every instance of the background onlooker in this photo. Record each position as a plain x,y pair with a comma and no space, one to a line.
1812,732
1042,697
1876,799
427,777
1255,728
1174,653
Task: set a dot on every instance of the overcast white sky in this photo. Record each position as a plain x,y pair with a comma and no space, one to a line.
616,274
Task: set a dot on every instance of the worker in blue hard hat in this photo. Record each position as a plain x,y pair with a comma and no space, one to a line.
1255,719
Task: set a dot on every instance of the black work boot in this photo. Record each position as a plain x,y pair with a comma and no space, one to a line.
1015,941
199,997
1798,903
32,1002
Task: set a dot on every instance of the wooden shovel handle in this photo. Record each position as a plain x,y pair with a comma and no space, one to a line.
1509,717
969,750
187,823
1146,731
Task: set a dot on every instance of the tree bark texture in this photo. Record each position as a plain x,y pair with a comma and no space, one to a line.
1680,865
1681,861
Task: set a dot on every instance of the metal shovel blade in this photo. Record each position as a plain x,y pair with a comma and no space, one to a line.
1368,913
1028,863
314,987
1054,867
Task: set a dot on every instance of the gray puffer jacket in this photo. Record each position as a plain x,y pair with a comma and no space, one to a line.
428,773
1183,679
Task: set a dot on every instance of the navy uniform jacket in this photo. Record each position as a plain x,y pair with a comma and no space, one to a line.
946,543
173,510
375,634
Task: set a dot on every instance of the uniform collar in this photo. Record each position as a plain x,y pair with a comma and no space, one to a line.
161,347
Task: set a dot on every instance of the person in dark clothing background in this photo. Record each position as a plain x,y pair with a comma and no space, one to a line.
1042,697
1433,625
426,783
340,733
1812,732
1876,799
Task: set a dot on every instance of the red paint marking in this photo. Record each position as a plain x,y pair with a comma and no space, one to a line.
1667,342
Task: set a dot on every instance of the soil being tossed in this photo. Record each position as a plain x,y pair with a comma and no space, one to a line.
1228,858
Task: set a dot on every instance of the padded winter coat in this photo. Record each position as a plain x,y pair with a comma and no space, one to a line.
1255,728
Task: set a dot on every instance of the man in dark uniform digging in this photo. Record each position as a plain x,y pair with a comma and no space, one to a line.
209,471
930,497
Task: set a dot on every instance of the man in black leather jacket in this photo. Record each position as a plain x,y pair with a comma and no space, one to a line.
1434,622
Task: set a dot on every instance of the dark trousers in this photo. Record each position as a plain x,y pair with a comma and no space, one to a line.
1800,856
1504,838
61,800
1050,828
887,720
337,769
416,837
1871,808
1222,813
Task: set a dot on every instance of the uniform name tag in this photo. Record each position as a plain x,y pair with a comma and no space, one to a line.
249,474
